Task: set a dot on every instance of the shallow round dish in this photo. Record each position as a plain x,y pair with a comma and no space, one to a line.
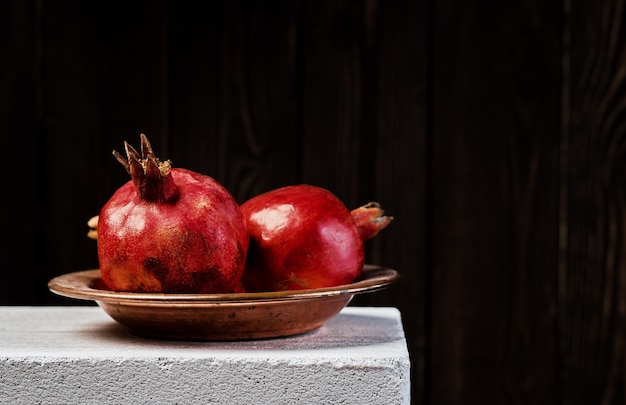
235,316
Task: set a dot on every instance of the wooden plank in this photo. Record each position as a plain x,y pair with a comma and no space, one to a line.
592,279
331,126
21,163
238,95
495,185
194,68
103,67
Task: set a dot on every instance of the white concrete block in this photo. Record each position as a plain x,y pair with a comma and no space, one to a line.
79,355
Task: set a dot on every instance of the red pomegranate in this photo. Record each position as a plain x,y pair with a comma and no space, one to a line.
170,230
303,236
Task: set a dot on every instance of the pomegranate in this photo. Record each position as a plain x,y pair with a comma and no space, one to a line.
303,236
170,230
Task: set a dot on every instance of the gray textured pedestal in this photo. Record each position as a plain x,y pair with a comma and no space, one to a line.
79,355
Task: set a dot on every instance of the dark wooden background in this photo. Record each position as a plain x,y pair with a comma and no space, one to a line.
494,133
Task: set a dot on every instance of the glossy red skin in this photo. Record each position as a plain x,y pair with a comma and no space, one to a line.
197,244
301,237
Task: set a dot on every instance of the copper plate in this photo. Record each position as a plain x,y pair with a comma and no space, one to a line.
236,316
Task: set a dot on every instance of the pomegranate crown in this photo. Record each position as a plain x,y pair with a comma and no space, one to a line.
152,178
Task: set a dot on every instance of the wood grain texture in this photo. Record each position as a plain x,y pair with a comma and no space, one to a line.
21,161
98,91
495,179
593,301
